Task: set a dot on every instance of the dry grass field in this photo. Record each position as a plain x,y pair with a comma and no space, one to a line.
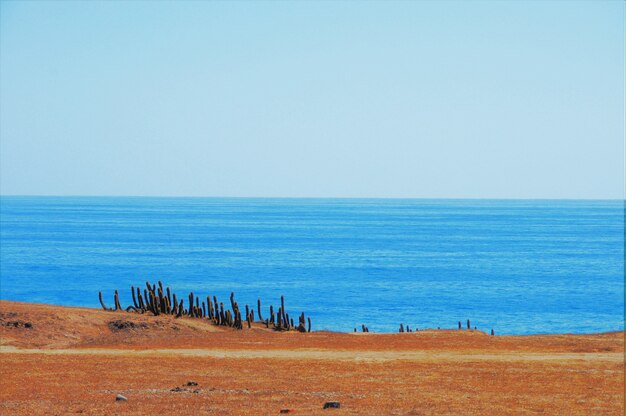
60,360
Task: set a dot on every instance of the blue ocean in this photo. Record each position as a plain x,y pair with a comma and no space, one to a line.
517,266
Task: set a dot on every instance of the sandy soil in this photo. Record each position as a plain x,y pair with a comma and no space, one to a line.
59,360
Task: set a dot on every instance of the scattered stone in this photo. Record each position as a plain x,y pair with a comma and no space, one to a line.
17,324
285,410
332,405
191,383
177,389
124,325
120,398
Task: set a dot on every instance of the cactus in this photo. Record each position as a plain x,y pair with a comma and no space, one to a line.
118,306
468,324
132,292
222,315
174,310
279,319
142,306
282,308
140,300
102,302
492,333
459,324
401,328
160,299
217,311
155,304
209,307
232,301
258,305
190,303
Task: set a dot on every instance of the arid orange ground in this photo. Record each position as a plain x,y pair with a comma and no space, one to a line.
59,360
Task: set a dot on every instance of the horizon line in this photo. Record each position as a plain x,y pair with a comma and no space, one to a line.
313,197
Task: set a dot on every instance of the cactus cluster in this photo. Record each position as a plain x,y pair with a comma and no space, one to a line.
408,328
162,301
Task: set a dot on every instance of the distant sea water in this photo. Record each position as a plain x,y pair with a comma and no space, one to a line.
517,266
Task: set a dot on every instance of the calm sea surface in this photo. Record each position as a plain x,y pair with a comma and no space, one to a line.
516,266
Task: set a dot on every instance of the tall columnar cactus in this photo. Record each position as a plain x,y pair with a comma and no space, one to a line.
272,317
190,303
468,324
142,306
222,314
459,324
232,301
282,308
309,328
279,319
217,310
401,328
301,323
174,305
132,292
118,306
102,302
209,307
181,309
140,300
258,305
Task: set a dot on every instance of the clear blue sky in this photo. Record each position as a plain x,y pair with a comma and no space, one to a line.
339,99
